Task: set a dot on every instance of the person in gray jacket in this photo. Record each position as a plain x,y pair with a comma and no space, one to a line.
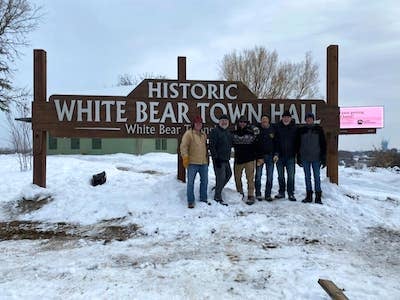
220,141
311,154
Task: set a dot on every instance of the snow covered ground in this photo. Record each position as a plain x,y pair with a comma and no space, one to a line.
275,250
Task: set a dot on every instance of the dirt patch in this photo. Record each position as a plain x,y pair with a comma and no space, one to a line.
25,205
29,205
233,257
384,235
151,172
304,240
19,230
117,232
352,196
380,247
395,201
269,245
241,213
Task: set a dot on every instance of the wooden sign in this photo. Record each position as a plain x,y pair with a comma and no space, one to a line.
165,108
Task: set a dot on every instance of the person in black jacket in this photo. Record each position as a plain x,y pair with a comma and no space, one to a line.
286,132
244,144
311,154
266,154
220,141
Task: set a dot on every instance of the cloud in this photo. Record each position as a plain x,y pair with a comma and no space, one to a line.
90,43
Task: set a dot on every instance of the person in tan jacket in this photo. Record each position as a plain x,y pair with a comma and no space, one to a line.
195,160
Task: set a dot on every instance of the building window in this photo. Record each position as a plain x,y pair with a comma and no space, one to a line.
161,144
75,143
96,143
52,143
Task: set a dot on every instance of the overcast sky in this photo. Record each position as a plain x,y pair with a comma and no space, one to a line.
89,43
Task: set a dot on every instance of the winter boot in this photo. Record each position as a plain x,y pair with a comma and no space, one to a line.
250,200
220,201
292,198
268,198
308,197
318,197
206,202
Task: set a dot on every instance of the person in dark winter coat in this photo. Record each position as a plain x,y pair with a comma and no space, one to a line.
311,154
220,143
286,132
245,154
266,154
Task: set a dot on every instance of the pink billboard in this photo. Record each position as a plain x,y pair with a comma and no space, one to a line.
361,117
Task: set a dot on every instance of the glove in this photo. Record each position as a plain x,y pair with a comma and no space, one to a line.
217,163
259,162
275,159
300,163
323,164
256,130
185,161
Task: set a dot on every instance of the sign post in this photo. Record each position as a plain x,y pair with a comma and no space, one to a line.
332,87
39,135
181,77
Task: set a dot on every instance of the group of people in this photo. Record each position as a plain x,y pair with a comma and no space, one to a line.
255,146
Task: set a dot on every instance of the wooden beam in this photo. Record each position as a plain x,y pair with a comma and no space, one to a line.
332,91
181,170
181,68
39,136
181,175
27,120
357,131
333,291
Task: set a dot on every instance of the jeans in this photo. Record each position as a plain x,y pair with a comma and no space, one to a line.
315,165
269,166
192,171
222,176
289,164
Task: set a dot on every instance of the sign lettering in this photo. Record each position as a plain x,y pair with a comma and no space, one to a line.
164,108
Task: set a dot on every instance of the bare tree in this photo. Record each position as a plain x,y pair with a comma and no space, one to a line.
17,19
21,134
260,70
128,79
305,85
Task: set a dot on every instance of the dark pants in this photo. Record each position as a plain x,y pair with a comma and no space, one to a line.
269,166
315,165
288,164
222,176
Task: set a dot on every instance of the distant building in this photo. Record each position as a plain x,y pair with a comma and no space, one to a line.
109,145
385,145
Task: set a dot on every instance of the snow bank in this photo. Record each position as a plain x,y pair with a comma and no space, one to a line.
272,250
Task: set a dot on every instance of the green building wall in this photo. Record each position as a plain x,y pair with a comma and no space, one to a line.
112,145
